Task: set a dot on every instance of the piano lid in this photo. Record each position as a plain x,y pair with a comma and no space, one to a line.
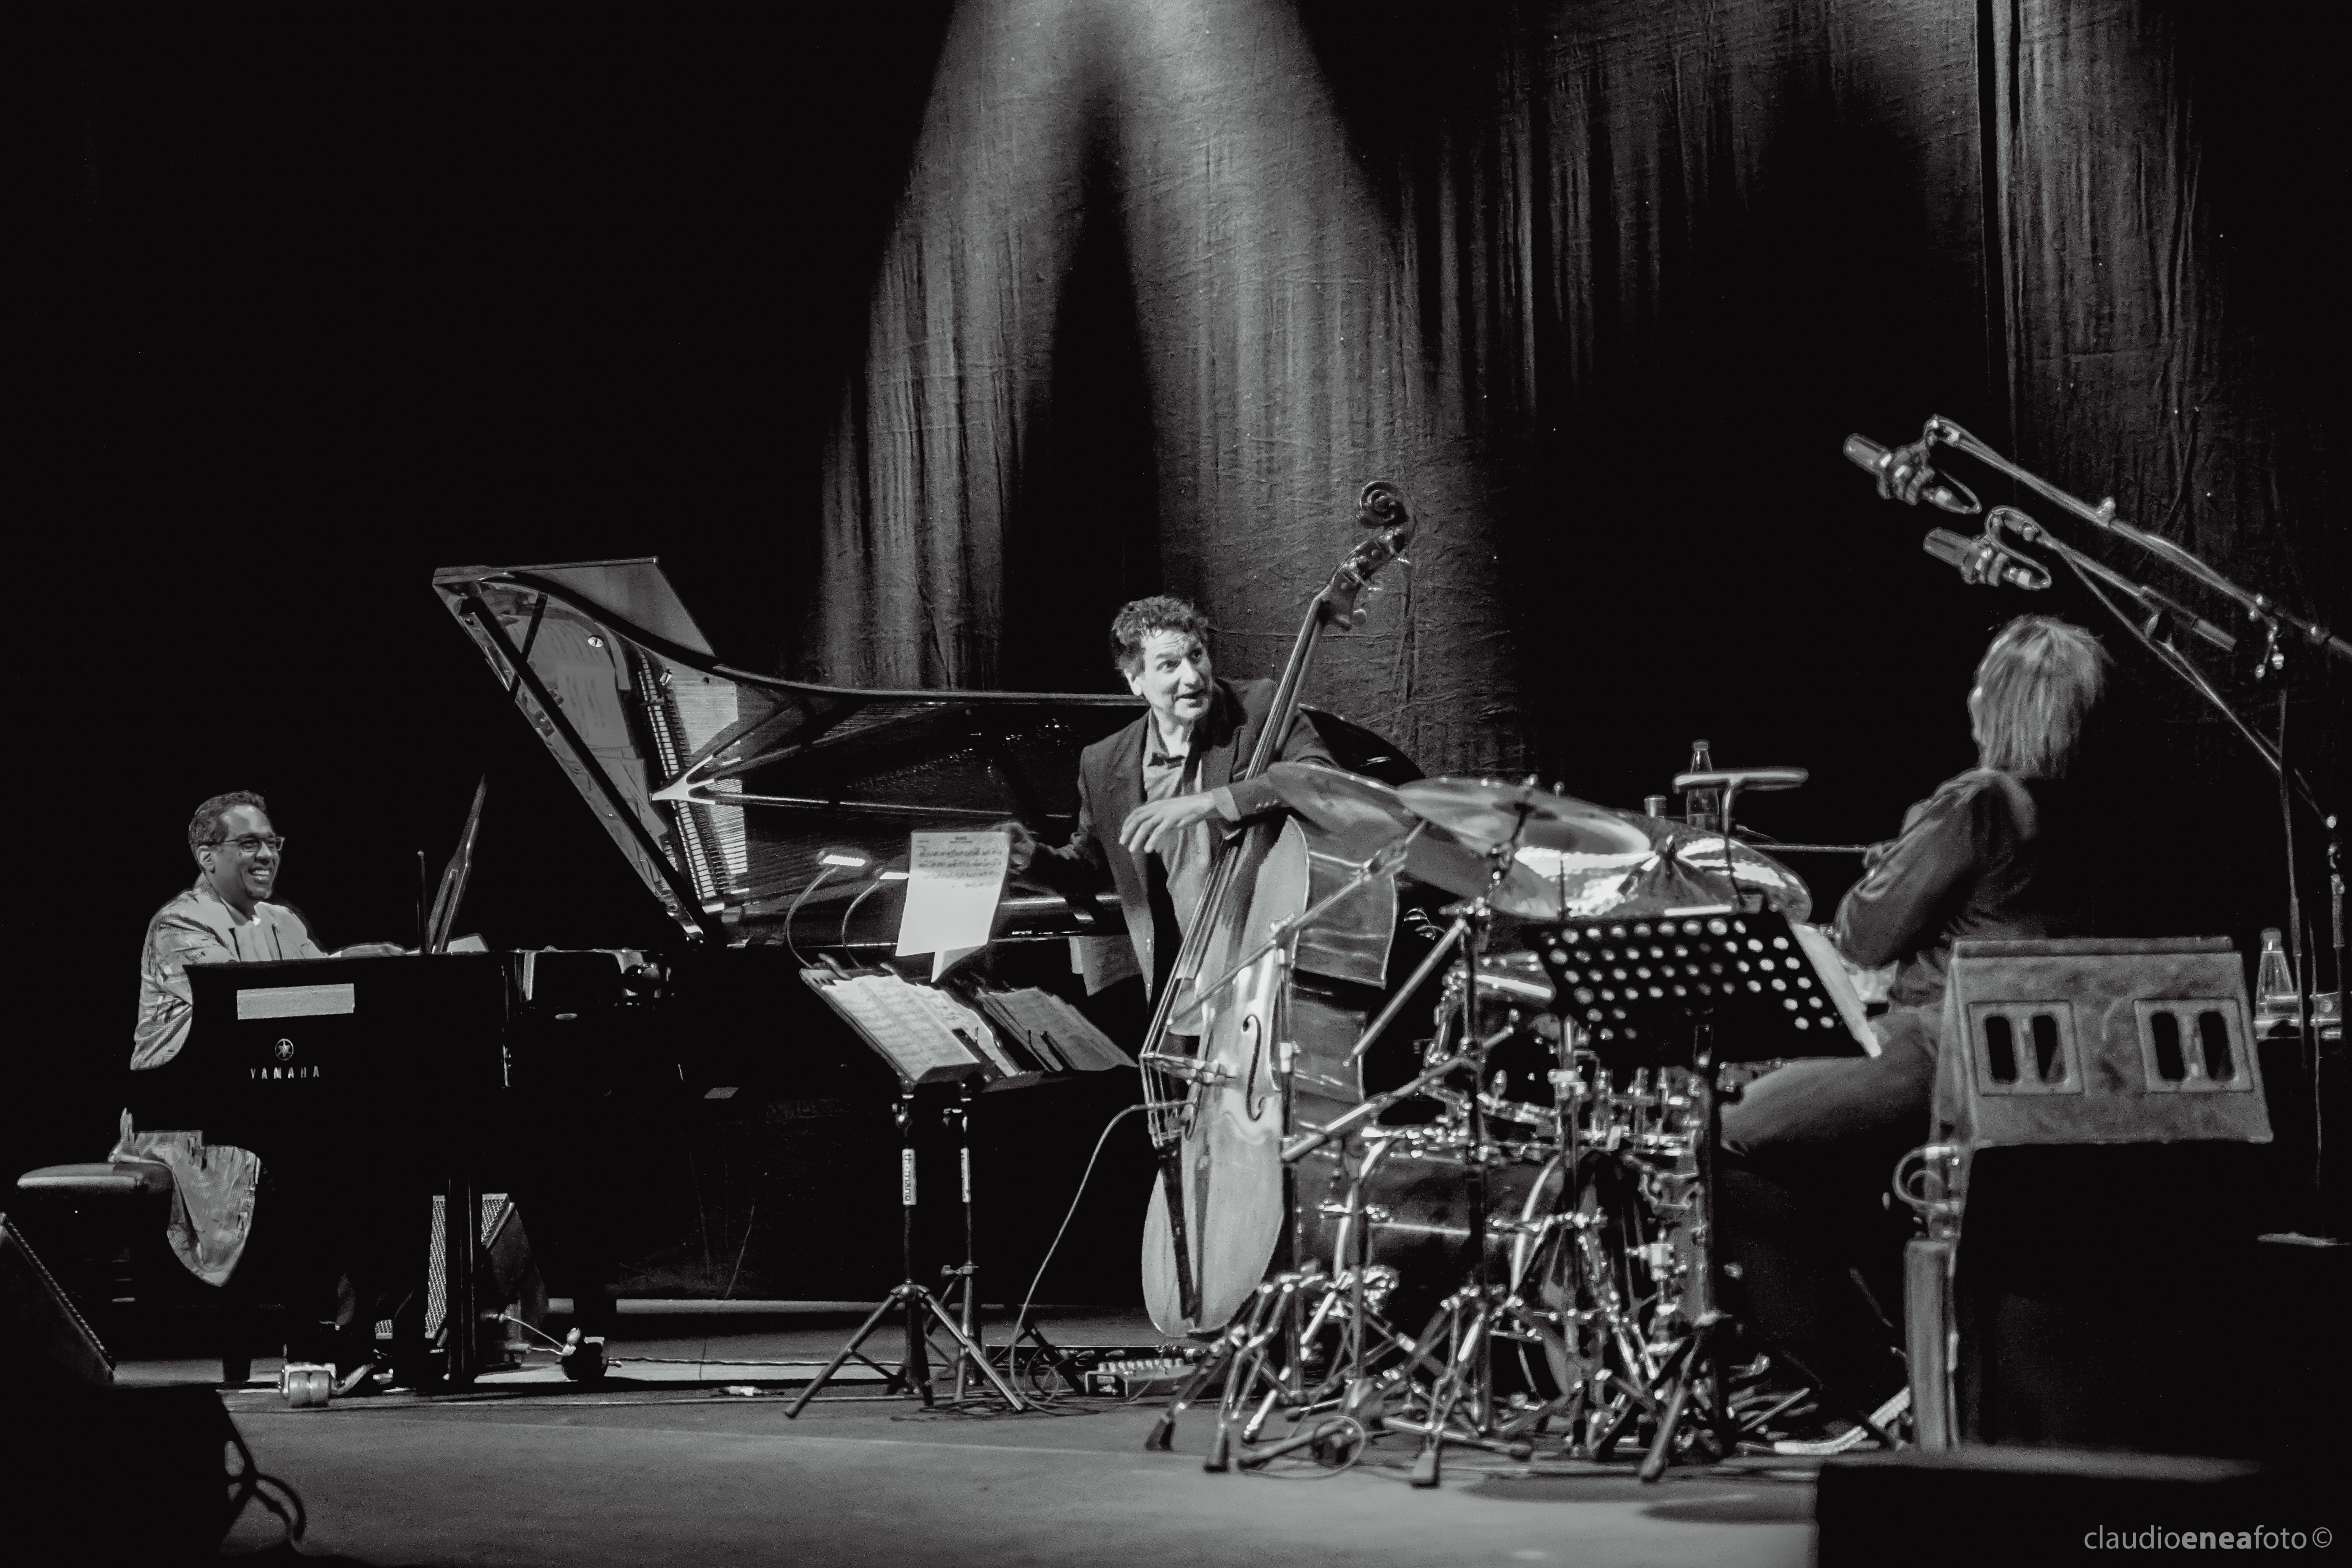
722,786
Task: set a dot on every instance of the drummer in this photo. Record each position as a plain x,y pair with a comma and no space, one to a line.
1154,797
1998,851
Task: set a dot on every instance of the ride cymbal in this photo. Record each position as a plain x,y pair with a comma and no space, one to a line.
1488,812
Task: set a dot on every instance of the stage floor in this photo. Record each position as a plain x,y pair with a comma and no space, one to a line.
665,1466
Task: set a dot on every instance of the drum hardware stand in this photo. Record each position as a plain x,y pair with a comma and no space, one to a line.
1699,1357
1696,1368
1361,1393
1272,1352
1264,1348
914,1373
1464,1323
1240,1352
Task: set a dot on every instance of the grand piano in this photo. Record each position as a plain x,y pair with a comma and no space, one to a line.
724,788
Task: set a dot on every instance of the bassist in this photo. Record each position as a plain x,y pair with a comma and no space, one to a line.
1154,797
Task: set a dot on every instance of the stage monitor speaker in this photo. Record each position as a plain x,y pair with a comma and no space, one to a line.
2103,1167
2097,1041
2124,1298
44,1343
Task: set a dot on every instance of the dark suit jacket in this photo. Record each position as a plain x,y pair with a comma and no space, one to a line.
1110,786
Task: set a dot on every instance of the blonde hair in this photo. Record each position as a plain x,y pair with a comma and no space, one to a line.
2035,688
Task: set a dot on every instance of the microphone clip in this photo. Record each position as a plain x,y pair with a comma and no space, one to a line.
1903,474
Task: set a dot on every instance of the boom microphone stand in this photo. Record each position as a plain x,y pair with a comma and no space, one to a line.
2280,626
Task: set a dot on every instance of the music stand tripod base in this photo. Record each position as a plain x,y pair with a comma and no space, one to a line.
909,1297
1696,988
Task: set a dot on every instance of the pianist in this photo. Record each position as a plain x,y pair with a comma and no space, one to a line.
225,916
1154,798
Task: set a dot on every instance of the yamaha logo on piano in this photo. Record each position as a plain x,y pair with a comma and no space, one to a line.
284,1051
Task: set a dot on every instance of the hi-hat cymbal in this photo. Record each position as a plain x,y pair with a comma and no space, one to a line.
1366,816
1488,812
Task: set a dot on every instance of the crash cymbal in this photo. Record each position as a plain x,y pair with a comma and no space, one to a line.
1488,812
1679,868
1366,816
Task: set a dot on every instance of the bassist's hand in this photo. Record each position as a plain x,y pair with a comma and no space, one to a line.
1154,825
1025,845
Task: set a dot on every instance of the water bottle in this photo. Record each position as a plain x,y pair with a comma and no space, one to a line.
1703,808
2278,1002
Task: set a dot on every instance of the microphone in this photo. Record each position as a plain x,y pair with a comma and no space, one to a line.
1904,475
1984,561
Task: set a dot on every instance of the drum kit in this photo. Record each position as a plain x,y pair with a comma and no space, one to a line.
1512,1245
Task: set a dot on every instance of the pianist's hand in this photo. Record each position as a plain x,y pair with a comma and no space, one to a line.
370,949
1154,825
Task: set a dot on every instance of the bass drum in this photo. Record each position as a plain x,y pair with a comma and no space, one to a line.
1417,1195
1612,1267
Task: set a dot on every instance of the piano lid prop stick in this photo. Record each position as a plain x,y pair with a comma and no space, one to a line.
453,880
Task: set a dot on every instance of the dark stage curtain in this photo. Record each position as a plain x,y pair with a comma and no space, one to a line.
1605,286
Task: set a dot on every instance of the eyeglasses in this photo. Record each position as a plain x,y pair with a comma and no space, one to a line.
249,844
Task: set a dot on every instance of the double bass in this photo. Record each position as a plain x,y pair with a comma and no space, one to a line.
1216,1112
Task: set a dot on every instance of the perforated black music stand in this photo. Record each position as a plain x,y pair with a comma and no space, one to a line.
1698,988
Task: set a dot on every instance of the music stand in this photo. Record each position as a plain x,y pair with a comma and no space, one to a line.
927,1038
1702,988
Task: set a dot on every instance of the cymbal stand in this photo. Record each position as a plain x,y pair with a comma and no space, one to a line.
1262,1358
913,1372
1344,1297
1362,1393
1457,1346
1457,1341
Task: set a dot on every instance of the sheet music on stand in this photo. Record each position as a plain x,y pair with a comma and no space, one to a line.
931,1036
926,1035
1052,1031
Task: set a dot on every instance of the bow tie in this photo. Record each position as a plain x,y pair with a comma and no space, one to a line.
1163,760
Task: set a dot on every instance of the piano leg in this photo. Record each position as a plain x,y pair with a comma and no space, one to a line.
461,1320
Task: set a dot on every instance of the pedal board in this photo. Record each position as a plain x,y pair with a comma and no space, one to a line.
1123,1371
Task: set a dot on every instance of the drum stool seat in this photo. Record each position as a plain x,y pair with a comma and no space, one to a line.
97,1212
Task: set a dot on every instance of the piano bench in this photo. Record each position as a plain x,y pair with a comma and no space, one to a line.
97,1183
100,1227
